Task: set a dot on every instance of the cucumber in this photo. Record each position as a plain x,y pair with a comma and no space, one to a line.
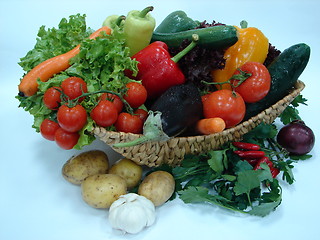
218,37
285,71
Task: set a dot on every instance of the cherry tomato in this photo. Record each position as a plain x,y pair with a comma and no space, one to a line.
74,87
141,113
48,129
51,98
72,119
114,99
136,94
257,85
105,113
225,104
129,123
66,140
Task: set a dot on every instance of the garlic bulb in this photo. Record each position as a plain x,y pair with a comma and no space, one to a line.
131,213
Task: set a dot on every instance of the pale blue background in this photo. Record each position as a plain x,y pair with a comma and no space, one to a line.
36,203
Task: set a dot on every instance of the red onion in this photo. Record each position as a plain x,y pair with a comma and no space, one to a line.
296,138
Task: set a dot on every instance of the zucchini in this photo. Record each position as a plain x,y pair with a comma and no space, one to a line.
285,71
221,36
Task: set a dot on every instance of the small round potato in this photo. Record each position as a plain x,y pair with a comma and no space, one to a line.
77,168
101,190
129,170
158,187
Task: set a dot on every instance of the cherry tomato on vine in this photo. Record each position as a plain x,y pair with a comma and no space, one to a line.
257,85
72,119
51,98
114,99
48,129
105,113
225,104
136,94
66,140
129,123
141,113
74,87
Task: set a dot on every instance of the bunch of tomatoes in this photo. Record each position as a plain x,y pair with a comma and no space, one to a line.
71,116
230,104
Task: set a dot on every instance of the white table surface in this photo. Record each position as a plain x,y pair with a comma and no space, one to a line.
36,203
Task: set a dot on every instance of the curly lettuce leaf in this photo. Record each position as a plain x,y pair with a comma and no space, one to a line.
102,62
55,41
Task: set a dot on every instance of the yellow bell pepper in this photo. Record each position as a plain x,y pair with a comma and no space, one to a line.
252,45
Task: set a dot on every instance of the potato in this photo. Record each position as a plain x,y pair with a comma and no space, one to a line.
129,170
101,190
77,168
158,187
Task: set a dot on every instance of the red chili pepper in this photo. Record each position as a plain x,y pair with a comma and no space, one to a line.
274,171
246,146
157,69
252,162
250,154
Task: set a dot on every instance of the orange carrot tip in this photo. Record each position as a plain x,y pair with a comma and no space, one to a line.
208,126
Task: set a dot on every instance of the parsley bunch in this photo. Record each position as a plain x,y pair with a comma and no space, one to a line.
221,178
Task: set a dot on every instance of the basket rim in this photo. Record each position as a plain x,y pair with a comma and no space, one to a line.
172,151
298,87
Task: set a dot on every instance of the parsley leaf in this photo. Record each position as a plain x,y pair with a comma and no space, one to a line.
291,112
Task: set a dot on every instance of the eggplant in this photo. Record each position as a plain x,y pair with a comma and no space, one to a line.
171,114
181,107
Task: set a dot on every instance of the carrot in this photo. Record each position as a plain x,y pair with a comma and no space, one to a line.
211,125
47,69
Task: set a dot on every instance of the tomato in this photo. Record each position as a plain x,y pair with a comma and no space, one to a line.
51,98
129,123
72,119
74,87
205,97
257,85
136,94
225,104
141,113
66,140
114,99
105,113
48,129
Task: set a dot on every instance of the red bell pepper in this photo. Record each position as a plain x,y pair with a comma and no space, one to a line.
157,69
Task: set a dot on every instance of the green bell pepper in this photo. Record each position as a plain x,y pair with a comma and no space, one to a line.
138,28
176,21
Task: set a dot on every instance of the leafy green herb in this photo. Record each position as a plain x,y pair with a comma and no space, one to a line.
291,113
222,179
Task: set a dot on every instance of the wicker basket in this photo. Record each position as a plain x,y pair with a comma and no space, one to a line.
173,151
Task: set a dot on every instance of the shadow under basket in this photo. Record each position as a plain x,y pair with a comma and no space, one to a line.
172,152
